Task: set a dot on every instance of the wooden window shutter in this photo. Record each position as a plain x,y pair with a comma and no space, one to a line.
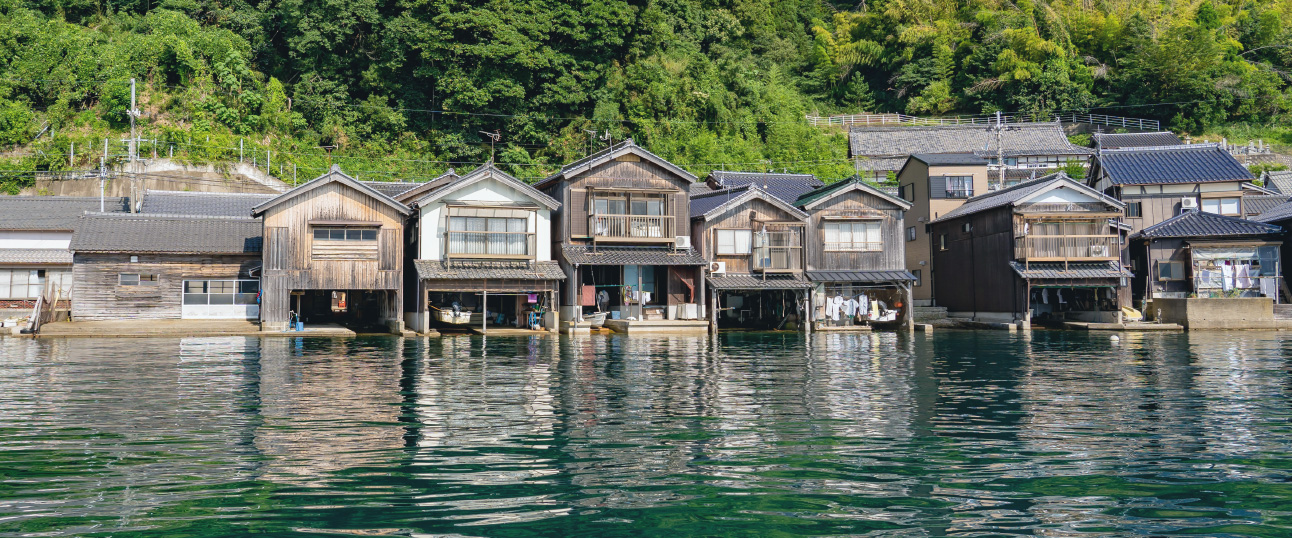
577,211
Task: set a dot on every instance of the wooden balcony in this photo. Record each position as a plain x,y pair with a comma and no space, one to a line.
632,228
1040,248
772,259
490,246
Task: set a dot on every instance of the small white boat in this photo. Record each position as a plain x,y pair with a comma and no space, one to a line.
597,319
450,317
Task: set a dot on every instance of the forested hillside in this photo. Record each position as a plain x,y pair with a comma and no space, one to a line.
403,87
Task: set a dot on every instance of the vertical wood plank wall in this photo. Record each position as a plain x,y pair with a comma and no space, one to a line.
99,297
857,204
736,218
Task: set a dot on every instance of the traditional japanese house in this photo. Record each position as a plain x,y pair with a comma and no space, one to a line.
149,266
1135,140
856,256
484,242
1042,250
623,229
755,245
1044,147
934,184
1197,254
35,236
333,254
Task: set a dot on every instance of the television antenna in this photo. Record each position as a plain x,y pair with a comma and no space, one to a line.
494,137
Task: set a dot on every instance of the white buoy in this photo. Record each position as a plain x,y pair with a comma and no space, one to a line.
1115,338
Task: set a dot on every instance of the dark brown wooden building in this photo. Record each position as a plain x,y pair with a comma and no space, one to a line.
624,229
1046,249
333,253
856,255
1202,255
142,266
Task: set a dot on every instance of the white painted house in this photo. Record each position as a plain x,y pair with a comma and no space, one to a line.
483,241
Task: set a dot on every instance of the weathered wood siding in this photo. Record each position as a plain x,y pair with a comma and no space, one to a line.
857,204
740,217
973,273
98,296
289,241
626,173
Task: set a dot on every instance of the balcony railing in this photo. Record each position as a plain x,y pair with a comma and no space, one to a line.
632,228
491,245
771,259
853,246
1066,247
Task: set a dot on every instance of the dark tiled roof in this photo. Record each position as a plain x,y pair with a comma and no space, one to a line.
51,212
1016,139
1136,140
860,276
202,203
606,255
1075,270
950,159
391,188
757,282
703,205
98,232
1194,163
829,190
1277,213
43,256
1022,173
1203,224
1262,203
492,270
787,187
1019,192
1280,181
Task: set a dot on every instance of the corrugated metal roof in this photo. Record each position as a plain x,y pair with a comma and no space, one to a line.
1196,163
35,256
1203,224
99,232
1073,270
1016,139
758,282
608,255
51,212
202,203
491,270
860,276
1136,140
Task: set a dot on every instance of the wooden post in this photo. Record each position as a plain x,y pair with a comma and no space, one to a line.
910,307
484,311
713,313
641,305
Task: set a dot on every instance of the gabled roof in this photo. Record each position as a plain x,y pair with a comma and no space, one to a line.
611,153
335,175
787,187
1023,192
1280,181
484,172
1277,213
422,188
950,159
391,188
228,204
1262,203
1203,224
716,202
1190,163
840,187
1136,140
1015,139
51,213
174,234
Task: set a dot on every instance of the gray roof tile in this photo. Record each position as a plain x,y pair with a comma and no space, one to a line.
1277,213
607,255
1073,270
1016,139
1261,203
35,256
491,270
99,232
758,282
829,190
51,212
1010,195
1203,224
202,203
950,159
1136,140
1280,181
787,187
1195,163
860,276
391,188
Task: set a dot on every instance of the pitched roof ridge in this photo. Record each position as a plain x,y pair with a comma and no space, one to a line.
722,191
1196,214
957,126
164,216
1178,147
56,197
205,193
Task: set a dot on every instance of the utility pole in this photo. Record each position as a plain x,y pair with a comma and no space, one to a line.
71,154
103,176
134,178
1000,151
239,150
592,134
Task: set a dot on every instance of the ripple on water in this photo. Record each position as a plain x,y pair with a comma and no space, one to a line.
955,433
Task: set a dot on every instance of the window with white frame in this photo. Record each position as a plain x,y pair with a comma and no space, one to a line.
31,283
220,292
734,242
1221,206
862,236
488,236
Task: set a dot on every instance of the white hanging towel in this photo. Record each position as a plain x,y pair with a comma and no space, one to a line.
1242,274
1227,277
1059,294
1269,286
1045,295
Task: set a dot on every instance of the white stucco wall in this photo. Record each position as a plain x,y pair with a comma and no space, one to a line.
1064,195
56,240
432,217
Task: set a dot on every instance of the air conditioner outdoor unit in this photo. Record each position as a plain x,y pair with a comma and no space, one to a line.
1099,251
1188,204
682,242
717,268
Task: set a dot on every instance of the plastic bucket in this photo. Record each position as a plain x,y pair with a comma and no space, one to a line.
300,326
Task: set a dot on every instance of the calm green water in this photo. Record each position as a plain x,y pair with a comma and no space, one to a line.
958,433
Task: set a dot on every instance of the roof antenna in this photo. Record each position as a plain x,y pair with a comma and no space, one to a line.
607,136
494,137
592,135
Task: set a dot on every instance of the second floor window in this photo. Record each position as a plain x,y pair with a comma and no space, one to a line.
1221,206
734,242
863,236
344,243
488,236
959,186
